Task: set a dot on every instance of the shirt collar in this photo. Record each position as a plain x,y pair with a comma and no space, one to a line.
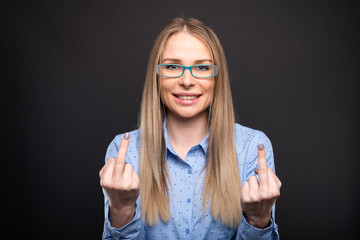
167,140
204,143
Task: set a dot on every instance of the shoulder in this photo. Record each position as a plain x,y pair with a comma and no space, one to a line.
246,142
246,134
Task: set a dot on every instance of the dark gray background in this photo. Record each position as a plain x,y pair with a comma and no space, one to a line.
73,73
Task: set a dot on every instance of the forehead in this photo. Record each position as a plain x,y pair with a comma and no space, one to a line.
183,45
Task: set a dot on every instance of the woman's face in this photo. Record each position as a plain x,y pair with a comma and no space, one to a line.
186,97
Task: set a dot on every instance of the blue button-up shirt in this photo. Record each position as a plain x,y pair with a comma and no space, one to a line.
187,220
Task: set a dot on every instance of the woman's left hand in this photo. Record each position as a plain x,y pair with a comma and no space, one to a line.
258,197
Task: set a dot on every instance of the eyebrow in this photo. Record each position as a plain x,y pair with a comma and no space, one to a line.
176,60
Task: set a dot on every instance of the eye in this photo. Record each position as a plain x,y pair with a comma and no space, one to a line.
172,67
202,68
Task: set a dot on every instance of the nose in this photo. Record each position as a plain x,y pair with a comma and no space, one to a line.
187,80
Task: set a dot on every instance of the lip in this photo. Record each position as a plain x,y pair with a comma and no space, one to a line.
187,102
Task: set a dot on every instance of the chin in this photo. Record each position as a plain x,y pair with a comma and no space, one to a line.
189,115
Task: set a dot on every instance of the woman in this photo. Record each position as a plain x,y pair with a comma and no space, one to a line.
189,171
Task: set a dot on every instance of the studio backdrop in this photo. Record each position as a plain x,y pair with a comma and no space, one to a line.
73,78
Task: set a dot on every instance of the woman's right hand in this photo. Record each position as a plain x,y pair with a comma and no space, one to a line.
122,186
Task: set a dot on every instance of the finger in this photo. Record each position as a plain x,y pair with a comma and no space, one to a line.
106,166
273,179
106,173
245,188
121,156
262,166
245,193
127,176
253,184
128,171
135,180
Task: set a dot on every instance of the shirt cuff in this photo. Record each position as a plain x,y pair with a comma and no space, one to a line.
247,231
133,230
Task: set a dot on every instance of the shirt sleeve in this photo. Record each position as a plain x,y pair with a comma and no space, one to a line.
135,228
245,230
248,232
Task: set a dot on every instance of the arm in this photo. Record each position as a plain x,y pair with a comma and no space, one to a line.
121,189
258,196
259,193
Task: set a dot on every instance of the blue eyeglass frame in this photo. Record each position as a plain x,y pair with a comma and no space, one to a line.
186,67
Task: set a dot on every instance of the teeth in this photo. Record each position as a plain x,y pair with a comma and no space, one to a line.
187,97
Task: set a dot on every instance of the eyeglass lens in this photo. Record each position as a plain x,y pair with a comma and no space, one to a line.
199,71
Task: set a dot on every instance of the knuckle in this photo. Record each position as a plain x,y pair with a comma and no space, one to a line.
126,186
102,171
270,194
117,186
253,179
101,183
253,198
263,170
250,196
118,165
129,188
245,198
104,183
265,195
134,188
128,167
136,184
276,193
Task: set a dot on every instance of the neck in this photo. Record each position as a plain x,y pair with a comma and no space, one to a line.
186,133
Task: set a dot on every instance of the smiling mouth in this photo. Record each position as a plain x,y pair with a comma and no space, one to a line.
187,97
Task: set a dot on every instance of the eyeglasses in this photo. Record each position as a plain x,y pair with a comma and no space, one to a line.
177,70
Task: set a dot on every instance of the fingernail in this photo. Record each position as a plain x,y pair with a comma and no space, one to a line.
126,136
261,146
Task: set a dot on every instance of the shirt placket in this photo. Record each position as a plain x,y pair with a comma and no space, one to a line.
189,182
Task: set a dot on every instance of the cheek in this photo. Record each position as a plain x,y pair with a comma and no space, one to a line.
209,90
165,91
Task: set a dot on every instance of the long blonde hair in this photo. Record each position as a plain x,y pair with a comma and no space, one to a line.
222,184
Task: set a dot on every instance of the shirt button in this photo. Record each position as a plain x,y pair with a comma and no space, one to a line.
189,171
187,231
188,200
